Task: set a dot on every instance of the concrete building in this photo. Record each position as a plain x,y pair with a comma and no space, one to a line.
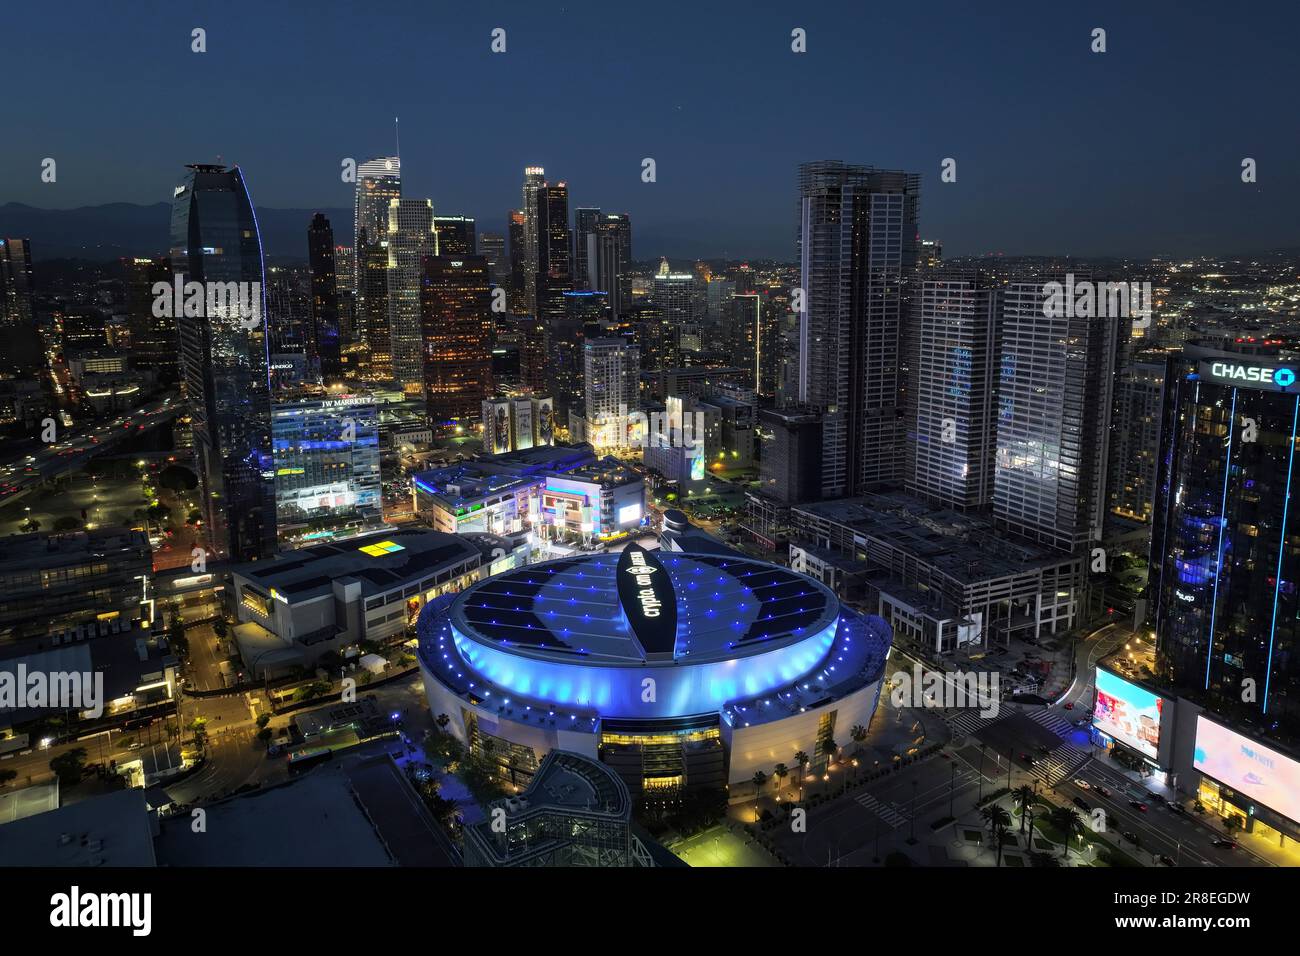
944,579
75,585
295,607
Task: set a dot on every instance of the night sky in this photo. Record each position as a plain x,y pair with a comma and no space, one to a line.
1059,150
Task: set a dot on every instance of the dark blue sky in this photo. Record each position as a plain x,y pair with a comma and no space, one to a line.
1059,150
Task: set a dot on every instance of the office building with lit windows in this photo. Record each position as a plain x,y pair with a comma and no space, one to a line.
952,431
676,670
1225,550
326,466
456,322
224,359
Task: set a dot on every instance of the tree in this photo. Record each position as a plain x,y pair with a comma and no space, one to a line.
6,775
759,779
830,748
1043,860
220,627
200,728
263,720
780,771
801,759
999,821
1068,821
70,765
858,733
442,720
31,525
67,523
178,478
1024,797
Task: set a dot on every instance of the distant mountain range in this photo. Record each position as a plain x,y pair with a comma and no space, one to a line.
108,232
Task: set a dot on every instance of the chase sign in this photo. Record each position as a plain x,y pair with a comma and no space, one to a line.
1247,374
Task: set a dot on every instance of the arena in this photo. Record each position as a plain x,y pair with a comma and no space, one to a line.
679,670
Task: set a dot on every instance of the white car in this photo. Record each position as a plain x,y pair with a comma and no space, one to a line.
1082,784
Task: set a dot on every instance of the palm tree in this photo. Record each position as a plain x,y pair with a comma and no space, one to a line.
830,748
759,779
999,821
801,759
1024,798
1068,821
442,720
780,771
858,733
1045,860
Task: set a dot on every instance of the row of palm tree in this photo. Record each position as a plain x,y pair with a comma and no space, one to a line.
1066,819
828,746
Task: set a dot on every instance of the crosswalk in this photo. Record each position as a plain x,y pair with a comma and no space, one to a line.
1053,722
1065,761
969,721
887,812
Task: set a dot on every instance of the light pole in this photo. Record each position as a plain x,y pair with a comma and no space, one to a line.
981,793
952,790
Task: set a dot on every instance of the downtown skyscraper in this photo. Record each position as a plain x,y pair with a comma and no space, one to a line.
224,361
952,427
411,238
379,183
1055,390
324,338
857,252
1225,550
534,179
456,323
609,260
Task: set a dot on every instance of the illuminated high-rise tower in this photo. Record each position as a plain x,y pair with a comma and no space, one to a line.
857,260
411,237
455,304
534,179
224,360
379,182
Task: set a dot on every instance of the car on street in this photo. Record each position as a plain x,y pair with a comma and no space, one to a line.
1104,791
1130,836
1082,784
1167,861
1224,844
1138,805
1083,804
1177,807
1069,705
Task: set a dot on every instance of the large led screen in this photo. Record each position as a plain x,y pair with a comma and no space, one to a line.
1128,713
1264,775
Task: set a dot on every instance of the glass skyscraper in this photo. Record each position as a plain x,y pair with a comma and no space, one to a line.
224,362
857,251
1225,548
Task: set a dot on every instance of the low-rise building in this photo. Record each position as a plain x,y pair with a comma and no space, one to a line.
942,578
295,607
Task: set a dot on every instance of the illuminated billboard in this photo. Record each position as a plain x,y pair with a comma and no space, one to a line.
1128,713
1253,770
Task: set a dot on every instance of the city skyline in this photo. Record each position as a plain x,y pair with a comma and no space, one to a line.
760,437
724,168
